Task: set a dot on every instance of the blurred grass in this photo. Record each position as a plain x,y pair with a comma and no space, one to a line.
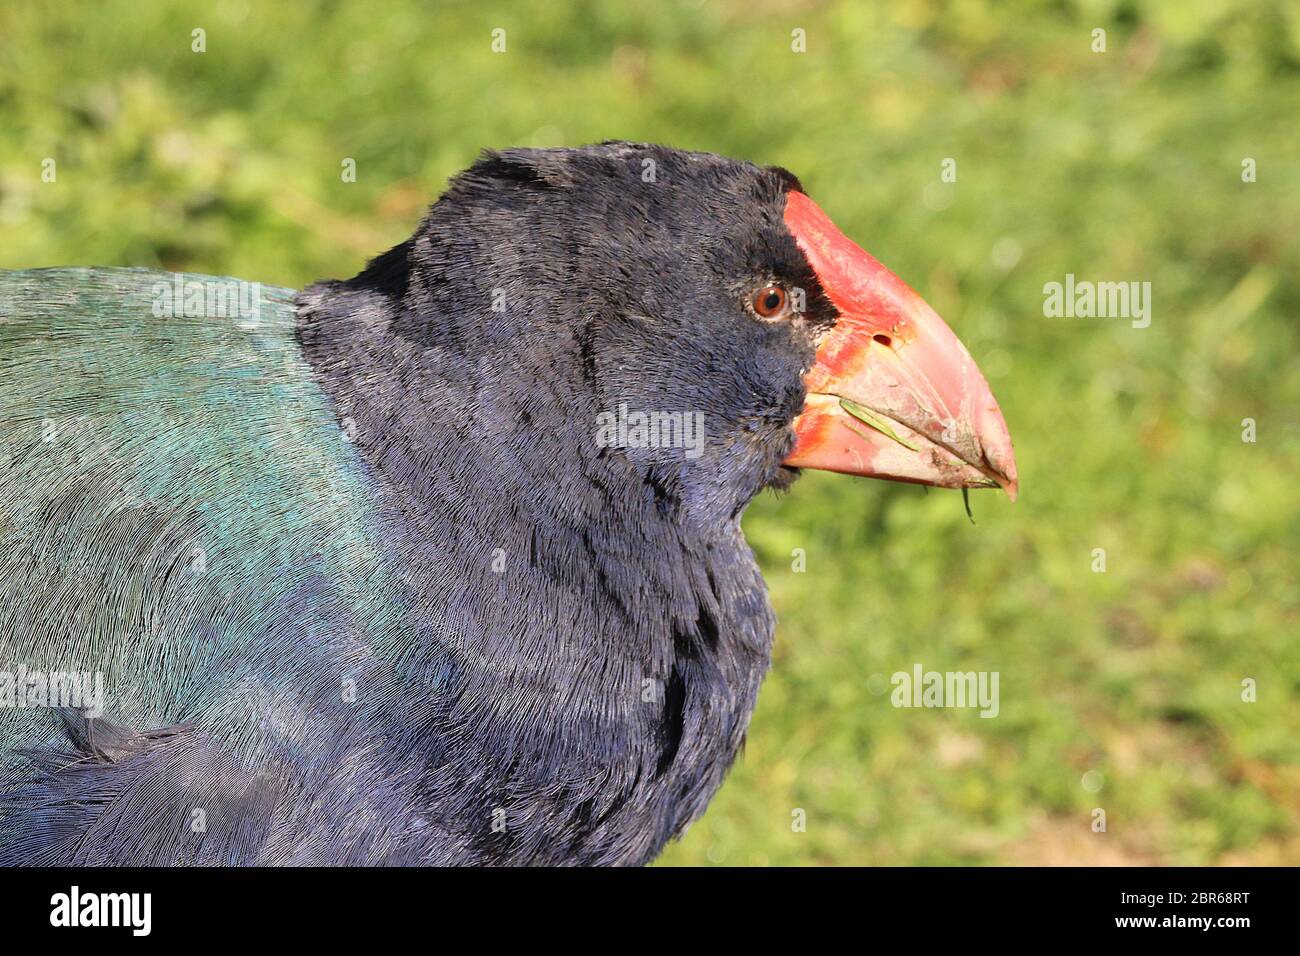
1123,165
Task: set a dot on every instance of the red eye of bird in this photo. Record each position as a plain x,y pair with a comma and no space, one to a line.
769,301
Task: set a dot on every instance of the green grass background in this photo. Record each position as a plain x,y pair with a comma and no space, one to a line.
1122,165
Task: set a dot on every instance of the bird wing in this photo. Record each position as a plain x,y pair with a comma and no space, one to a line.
182,520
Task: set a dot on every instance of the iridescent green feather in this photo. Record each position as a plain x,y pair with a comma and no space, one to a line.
175,492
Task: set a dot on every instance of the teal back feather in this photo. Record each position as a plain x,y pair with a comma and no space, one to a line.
164,471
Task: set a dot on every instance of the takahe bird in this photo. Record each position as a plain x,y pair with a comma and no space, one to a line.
426,566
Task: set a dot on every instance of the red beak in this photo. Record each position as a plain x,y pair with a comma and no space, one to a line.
893,392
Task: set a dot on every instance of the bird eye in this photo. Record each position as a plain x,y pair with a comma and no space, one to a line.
769,301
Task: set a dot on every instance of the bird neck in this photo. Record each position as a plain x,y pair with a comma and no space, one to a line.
604,644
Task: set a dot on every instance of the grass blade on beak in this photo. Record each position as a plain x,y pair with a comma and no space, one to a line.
965,499
870,418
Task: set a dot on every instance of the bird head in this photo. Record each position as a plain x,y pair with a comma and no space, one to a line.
726,332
